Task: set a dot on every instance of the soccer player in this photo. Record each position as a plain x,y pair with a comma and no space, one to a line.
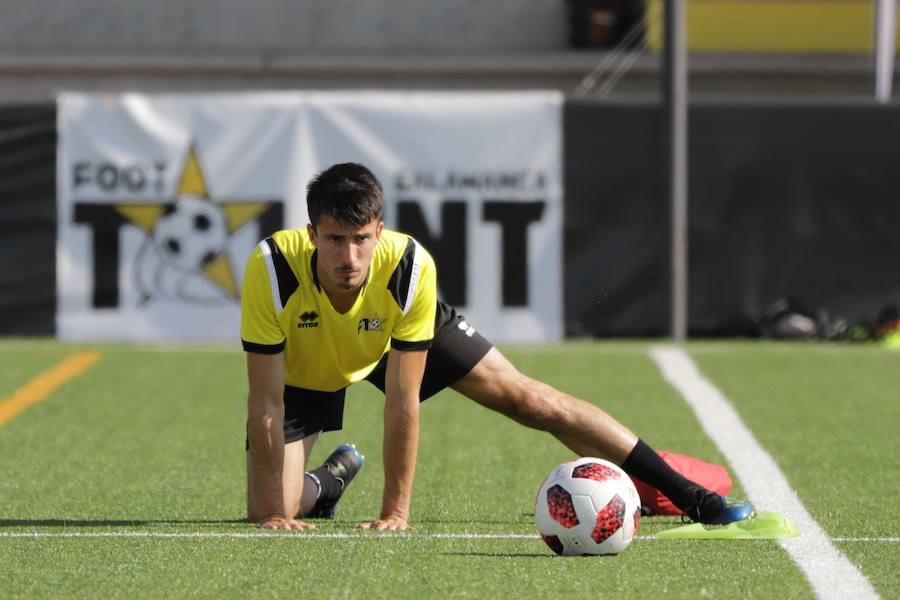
345,300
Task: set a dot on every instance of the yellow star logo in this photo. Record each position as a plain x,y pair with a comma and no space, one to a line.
192,183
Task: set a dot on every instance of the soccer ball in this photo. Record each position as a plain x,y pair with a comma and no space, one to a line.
587,506
190,233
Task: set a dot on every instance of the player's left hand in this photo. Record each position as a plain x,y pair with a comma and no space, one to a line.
389,523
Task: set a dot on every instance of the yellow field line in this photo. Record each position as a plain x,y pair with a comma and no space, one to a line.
45,384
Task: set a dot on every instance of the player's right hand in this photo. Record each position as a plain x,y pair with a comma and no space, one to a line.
284,523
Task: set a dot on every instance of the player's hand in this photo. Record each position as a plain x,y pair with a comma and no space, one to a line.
284,523
388,523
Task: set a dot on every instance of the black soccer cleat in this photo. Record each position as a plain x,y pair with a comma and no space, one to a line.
711,508
343,464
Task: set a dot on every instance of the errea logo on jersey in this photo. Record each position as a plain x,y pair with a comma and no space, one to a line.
376,323
308,319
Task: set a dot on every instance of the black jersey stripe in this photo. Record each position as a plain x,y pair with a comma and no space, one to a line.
398,284
314,265
262,348
287,281
411,346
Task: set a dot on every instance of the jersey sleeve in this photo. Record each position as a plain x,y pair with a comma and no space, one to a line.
260,331
415,329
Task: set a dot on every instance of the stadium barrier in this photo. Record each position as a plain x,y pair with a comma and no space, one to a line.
27,219
785,201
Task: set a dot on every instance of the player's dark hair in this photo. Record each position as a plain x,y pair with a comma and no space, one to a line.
347,192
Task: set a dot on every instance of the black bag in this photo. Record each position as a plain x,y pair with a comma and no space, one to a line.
787,319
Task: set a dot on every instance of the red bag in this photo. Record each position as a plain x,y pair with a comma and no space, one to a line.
711,476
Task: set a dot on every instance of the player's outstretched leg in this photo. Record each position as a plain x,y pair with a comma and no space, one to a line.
698,503
332,478
589,431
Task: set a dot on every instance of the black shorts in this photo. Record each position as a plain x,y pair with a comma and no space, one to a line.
456,349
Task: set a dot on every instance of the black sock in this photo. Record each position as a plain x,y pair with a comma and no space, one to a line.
329,485
645,464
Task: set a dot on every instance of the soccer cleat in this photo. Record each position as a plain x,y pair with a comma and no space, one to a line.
343,464
714,509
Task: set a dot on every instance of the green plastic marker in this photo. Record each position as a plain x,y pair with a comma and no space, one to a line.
764,526
891,340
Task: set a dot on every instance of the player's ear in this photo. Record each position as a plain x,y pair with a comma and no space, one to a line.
378,230
311,230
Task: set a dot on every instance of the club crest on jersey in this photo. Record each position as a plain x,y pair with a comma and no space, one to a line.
307,319
376,323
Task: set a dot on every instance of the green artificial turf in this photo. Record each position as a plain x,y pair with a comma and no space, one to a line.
830,416
150,441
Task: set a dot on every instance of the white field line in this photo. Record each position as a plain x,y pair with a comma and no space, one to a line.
297,535
827,569
333,536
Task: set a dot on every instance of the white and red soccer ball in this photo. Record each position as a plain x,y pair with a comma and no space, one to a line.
587,506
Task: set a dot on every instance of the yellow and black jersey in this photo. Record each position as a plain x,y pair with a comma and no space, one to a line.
283,307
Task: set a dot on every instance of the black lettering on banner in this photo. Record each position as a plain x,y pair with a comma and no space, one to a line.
80,175
447,247
107,177
134,178
271,220
514,218
110,178
104,221
160,168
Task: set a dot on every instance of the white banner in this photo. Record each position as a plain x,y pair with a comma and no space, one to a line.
161,198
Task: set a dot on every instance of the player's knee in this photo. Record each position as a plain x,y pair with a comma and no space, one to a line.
537,407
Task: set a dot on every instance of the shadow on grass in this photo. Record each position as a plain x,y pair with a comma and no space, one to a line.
502,554
464,521
114,523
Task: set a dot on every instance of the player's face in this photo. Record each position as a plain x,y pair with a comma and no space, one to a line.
345,252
